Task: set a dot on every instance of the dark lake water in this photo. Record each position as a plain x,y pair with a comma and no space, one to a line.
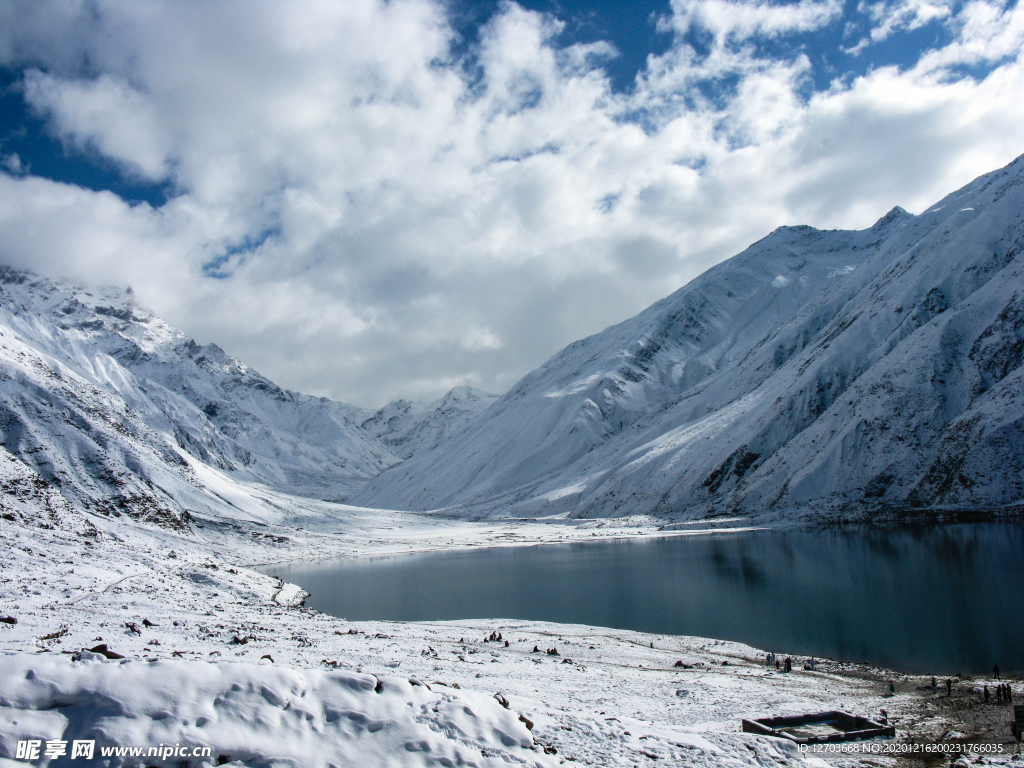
937,599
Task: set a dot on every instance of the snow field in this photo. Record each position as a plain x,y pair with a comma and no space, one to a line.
258,715
214,658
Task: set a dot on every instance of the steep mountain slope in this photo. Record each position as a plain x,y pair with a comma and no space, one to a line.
414,428
104,399
70,444
834,372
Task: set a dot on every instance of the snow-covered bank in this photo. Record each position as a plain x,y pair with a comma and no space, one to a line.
192,622
218,655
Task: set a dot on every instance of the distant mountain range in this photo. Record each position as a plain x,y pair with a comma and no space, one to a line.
411,429
832,373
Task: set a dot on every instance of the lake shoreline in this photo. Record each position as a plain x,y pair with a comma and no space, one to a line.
157,596
878,593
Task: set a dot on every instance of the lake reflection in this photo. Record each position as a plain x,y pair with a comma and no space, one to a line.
923,599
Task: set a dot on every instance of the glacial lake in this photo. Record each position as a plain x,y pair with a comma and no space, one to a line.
922,599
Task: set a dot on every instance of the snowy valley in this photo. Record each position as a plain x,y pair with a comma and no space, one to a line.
817,375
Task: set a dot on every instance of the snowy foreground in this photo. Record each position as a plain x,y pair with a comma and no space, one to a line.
218,655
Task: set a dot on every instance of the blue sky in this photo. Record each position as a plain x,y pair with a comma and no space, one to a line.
41,153
631,27
373,199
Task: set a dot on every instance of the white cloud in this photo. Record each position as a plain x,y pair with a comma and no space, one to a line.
738,21
982,31
392,222
480,338
902,15
985,32
81,111
12,162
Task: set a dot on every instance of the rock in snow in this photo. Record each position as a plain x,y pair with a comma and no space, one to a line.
834,373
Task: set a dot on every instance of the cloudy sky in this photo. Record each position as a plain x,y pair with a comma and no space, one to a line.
371,200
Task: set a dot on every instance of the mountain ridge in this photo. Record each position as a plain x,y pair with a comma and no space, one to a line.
109,403
832,373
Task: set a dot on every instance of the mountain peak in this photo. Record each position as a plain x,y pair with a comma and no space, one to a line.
415,428
896,215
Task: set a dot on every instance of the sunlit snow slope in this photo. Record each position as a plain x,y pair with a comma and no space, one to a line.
830,372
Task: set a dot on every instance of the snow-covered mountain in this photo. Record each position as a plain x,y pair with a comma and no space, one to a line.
146,382
118,410
829,372
414,428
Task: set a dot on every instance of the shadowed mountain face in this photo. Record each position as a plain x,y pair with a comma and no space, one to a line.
818,372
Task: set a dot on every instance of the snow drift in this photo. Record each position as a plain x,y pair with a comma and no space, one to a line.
255,714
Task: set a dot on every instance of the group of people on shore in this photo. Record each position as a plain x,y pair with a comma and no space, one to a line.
1004,694
786,665
1003,691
